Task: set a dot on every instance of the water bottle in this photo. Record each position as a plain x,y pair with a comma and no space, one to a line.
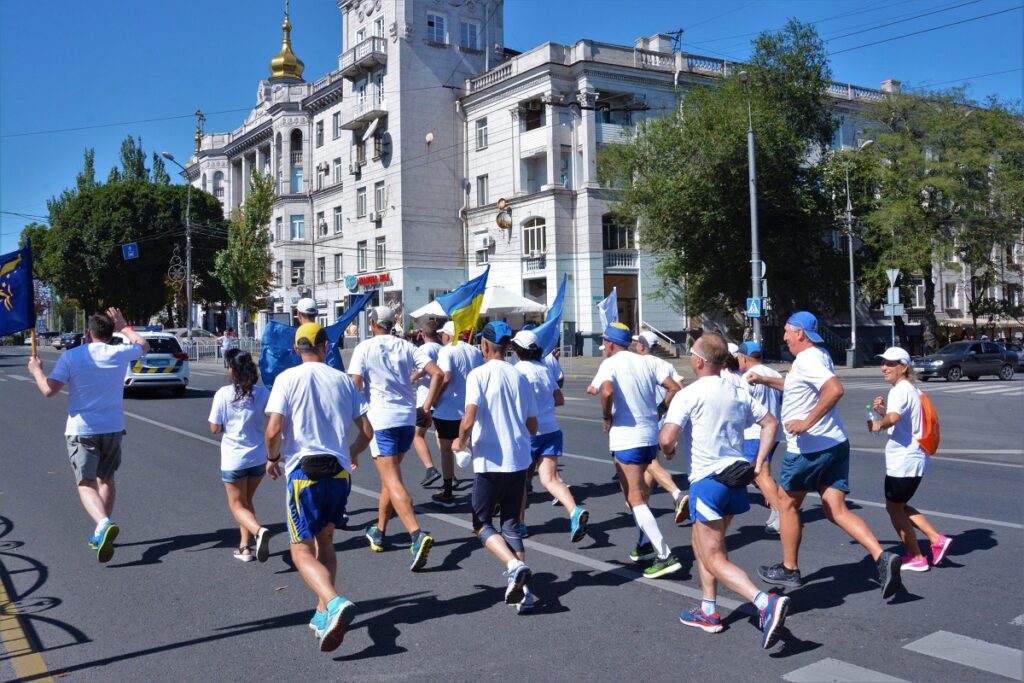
871,417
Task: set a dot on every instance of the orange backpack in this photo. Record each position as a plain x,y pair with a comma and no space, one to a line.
930,433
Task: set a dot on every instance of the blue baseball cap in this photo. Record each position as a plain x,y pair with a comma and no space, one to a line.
619,334
496,331
806,321
530,326
749,348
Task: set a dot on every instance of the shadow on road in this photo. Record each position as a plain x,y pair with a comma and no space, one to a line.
159,548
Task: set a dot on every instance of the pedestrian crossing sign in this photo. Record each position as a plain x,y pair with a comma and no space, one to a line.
753,308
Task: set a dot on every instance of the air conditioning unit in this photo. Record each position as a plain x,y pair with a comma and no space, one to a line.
353,169
374,216
486,242
536,253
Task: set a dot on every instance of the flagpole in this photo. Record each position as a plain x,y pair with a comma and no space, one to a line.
35,350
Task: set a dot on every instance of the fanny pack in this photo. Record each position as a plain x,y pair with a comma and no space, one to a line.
737,475
318,467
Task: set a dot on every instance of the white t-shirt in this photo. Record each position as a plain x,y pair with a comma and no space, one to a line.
554,367
242,444
500,441
634,399
811,369
386,364
903,455
458,359
766,396
663,367
94,375
715,412
318,404
430,351
544,388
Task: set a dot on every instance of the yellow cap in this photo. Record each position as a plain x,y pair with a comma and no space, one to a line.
310,335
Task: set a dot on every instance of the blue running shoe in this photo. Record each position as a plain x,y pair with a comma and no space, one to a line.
420,549
340,612
524,530
709,623
376,538
318,623
105,541
578,524
518,577
772,618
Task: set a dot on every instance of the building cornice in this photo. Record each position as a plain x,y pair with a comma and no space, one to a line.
262,132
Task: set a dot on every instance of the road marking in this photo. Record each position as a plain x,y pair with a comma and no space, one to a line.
961,450
961,390
176,430
837,671
21,378
28,664
977,654
3,379
1018,621
1001,390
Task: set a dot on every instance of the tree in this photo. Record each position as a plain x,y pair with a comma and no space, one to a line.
243,267
160,175
685,178
133,160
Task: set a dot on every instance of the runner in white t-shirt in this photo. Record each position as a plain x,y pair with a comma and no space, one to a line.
429,349
383,366
237,413
501,415
94,374
905,460
817,456
628,387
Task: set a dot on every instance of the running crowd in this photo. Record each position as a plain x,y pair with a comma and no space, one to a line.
493,408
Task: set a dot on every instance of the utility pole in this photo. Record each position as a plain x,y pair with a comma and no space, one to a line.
755,247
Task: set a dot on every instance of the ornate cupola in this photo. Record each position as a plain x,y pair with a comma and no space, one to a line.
286,67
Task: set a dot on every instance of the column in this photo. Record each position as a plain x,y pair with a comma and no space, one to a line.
517,163
587,137
554,146
246,174
286,161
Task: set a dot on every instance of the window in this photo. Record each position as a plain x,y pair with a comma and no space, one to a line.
338,273
298,227
321,224
951,301
533,116
534,236
379,197
319,133
218,188
296,179
378,144
481,133
337,220
360,35
482,256
564,171
436,32
919,298
298,273
380,260
378,27
481,190
469,32
359,151
361,256
279,273
338,172
321,268
320,177
278,226
616,233
360,202
336,125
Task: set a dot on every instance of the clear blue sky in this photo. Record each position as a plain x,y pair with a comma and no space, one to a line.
72,64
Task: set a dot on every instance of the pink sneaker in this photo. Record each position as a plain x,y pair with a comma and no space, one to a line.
914,564
940,549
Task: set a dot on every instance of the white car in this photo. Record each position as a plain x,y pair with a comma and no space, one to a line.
164,367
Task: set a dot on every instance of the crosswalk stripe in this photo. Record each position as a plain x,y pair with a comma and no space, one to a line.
837,671
977,654
1001,390
2,379
20,378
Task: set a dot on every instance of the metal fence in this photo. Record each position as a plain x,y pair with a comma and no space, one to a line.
205,349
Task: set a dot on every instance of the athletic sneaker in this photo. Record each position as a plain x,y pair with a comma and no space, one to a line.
643,552
682,509
518,576
771,525
318,622
909,563
524,530
889,574
376,538
578,524
430,477
445,501
340,612
780,576
659,568
263,544
940,549
420,549
103,542
772,618
698,618
527,604
243,554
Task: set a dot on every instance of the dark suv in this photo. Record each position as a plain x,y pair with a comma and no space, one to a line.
970,359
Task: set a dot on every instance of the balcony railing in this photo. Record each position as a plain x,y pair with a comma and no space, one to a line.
620,258
296,158
535,265
363,58
361,112
612,132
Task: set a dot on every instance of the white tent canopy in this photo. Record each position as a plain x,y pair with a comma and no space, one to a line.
497,301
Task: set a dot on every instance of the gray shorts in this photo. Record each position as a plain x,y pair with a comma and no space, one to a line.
94,455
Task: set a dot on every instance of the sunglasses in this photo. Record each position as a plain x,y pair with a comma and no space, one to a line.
694,353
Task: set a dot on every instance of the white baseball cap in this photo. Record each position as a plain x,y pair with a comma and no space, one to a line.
648,338
307,306
895,354
524,339
733,349
449,329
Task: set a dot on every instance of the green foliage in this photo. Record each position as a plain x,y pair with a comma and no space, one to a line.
133,160
243,266
160,175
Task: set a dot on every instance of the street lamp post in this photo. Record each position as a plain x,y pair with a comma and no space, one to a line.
188,248
851,353
755,248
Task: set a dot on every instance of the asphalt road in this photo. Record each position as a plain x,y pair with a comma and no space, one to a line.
174,605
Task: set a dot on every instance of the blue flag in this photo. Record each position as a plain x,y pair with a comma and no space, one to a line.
277,354
549,330
17,295
608,308
463,303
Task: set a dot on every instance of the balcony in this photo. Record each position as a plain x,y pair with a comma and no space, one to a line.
606,133
535,265
362,112
621,261
363,58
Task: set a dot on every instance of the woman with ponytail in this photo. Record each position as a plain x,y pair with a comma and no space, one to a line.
237,413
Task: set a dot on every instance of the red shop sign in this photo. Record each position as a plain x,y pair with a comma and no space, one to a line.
375,279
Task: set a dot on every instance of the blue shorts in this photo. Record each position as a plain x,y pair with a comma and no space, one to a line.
313,505
712,500
233,476
827,469
750,447
546,444
394,440
644,455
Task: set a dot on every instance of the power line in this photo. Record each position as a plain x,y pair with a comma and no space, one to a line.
900,21
965,78
719,16
119,123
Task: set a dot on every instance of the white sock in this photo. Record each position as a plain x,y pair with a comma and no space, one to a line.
641,537
645,520
99,527
512,564
709,606
761,600
526,589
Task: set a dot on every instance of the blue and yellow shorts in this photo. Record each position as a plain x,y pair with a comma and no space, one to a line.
313,505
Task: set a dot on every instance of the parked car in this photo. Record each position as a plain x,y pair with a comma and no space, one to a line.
1018,351
70,340
41,338
164,367
970,359
205,341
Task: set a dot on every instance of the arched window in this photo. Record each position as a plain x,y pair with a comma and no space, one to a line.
534,236
204,182
218,184
617,233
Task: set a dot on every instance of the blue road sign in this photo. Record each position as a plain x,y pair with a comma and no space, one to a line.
753,308
130,251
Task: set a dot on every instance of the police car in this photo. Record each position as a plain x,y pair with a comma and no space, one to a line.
164,367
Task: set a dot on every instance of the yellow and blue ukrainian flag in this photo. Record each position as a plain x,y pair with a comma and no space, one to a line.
463,303
17,295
